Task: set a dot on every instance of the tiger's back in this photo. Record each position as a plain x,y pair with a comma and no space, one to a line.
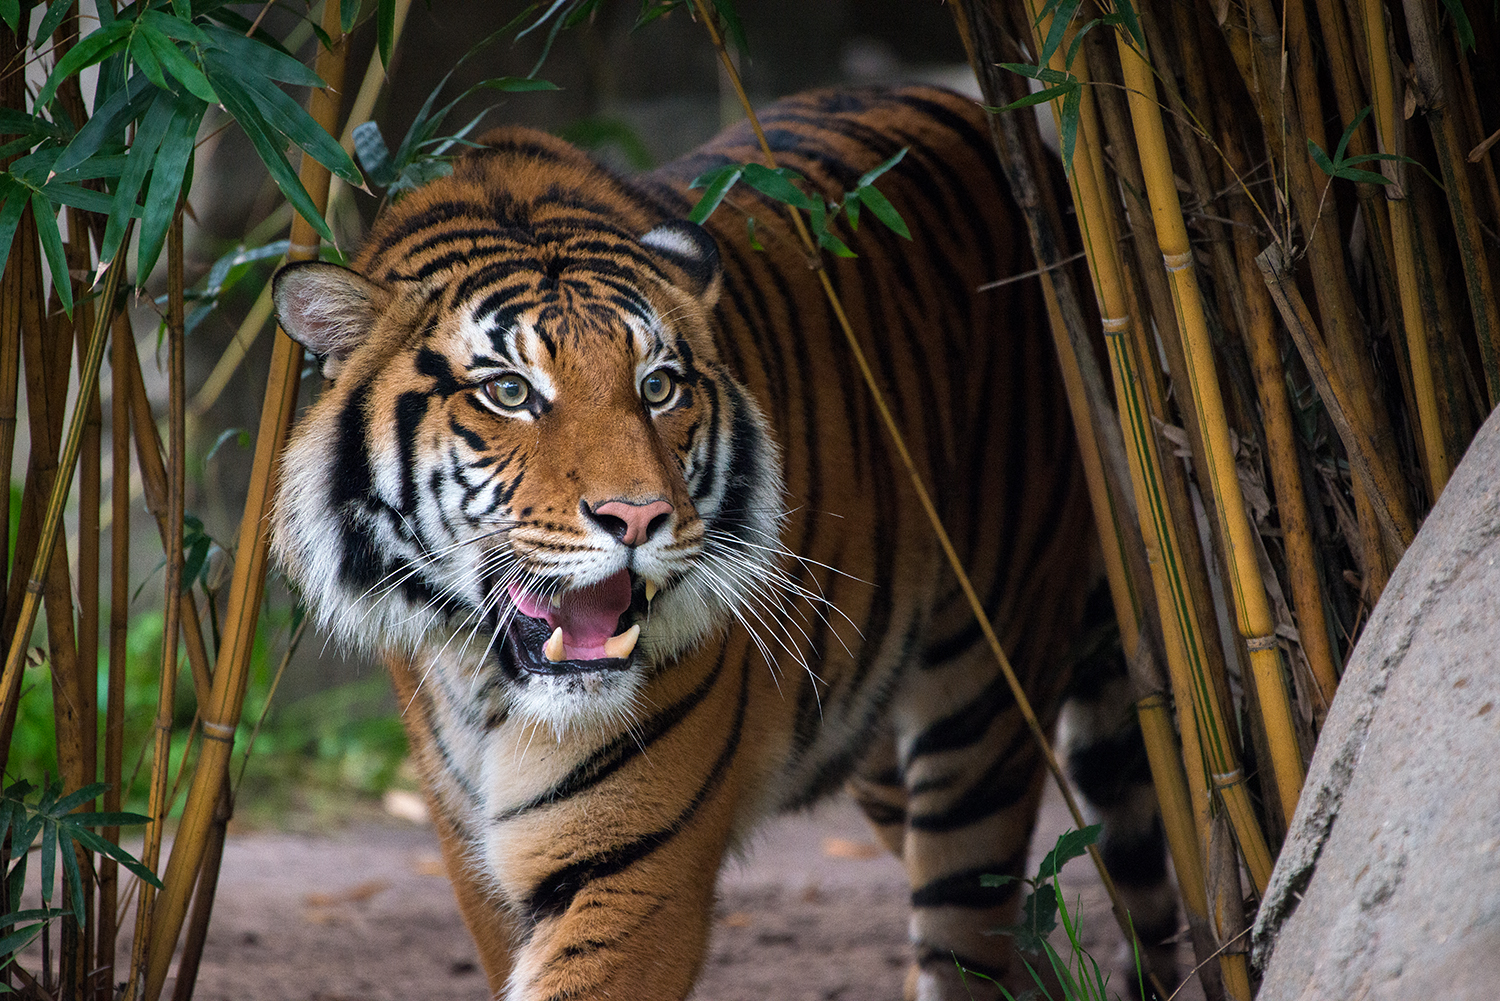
609,496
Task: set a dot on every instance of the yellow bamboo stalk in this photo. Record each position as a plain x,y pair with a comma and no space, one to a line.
1431,77
172,617
221,713
1412,318
1252,608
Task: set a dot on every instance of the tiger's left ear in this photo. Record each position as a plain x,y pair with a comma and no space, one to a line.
693,251
327,309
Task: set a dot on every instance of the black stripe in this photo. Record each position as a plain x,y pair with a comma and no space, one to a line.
964,889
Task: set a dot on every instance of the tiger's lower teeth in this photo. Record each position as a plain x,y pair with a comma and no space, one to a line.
617,647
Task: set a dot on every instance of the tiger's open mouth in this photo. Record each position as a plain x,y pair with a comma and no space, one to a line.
592,628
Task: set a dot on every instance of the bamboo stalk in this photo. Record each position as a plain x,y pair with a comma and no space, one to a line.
1412,315
176,497
122,348
1369,468
222,710
1450,153
1252,608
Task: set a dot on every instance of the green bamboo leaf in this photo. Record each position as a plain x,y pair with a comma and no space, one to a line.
385,29
10,13
148,137
1321,159
102,167
145,59
1338,154
818,223
735,29
289,118
755,243
15,122
74,880
56,11
167,185
184,9
92,49
45,214
852,201
107,819
107,122
778,184
75,799
270,150
1081,33
1037,97
77,197
1042,73
218,275
16,881
253,58
120,855
513,85
869,176
717,183
20,938
1461,26
1071,845
1069,119
1061,18
881,208
348,14
1132,22
48,859
1366,176
182,68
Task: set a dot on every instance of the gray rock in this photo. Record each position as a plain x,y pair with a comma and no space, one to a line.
1389,883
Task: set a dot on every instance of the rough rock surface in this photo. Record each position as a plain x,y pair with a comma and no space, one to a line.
1389,884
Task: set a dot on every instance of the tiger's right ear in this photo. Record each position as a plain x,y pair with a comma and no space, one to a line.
327,309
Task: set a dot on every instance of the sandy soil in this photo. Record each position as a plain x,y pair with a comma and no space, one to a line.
816,913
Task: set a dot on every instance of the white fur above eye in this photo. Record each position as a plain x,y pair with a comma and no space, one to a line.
675,241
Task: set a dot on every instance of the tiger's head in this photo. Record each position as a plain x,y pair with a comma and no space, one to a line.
531,460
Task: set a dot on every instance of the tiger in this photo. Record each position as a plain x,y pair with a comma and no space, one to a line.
604,490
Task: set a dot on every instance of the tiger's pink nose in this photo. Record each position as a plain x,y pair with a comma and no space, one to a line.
631,523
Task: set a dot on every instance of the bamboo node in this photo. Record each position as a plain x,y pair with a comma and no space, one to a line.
1223,780
34,586
1257,643
1178,262
1114,326
218,731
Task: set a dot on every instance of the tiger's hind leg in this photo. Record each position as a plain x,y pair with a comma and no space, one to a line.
954,791
1100,740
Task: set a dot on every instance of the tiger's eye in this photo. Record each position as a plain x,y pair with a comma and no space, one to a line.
656,388
509,391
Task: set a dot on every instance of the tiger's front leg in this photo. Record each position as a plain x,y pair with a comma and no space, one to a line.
585,863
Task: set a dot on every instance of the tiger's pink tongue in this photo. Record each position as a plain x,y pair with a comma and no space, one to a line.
587,616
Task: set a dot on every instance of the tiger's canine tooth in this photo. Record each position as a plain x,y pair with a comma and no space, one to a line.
651,590
620,646
553,648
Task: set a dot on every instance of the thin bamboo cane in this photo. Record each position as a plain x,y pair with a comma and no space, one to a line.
222,711
122,348
203,900
1364,459
171,618
88,380
1412,315
1450,153
86,682
153,470
1252,608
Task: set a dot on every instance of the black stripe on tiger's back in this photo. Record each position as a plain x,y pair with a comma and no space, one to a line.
554,895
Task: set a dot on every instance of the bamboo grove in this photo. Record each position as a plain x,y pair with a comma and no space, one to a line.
1289,216
1299,345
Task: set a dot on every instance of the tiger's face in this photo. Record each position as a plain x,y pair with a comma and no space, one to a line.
549,480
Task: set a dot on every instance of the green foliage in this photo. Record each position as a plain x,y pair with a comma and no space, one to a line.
1343,166
1078,975
781,185
51,820
161,66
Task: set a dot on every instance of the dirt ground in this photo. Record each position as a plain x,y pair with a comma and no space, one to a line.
816,913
